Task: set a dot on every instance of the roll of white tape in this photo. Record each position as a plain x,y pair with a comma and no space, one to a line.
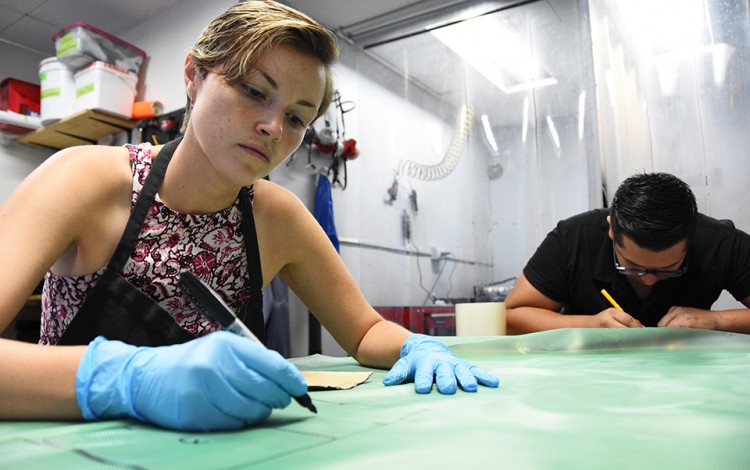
480,319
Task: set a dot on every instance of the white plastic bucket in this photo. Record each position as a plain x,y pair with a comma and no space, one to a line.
104,87
57,90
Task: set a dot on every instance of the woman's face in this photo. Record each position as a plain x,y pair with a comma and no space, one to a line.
249,128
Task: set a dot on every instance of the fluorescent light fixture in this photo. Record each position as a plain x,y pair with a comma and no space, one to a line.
488,133
418,17
485,44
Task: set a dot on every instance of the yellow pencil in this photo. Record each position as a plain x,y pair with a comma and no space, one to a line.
611,300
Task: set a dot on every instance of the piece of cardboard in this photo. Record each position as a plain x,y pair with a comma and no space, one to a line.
323,380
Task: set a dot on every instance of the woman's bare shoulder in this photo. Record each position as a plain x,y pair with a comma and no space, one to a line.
97,156
97,168
271,198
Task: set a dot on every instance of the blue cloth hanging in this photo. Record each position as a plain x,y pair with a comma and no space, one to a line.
324,210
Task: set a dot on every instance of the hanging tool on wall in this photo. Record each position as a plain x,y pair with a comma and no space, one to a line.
162,128
331,140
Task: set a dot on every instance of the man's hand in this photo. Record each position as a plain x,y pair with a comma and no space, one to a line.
613,318
689,317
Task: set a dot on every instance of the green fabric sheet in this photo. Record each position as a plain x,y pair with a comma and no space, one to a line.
573,398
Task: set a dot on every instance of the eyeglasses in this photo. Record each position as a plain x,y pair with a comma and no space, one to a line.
639,272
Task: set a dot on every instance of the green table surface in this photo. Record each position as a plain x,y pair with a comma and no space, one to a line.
572,398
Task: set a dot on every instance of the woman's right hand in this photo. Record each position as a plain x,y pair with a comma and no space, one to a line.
216,382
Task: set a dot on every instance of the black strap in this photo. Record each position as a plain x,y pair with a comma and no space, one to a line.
142,205
253,311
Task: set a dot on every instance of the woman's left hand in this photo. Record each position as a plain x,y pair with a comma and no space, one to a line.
425,359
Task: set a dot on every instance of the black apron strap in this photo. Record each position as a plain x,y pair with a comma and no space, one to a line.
142,206
253,311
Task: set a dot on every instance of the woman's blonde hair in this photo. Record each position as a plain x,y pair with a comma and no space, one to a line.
239,38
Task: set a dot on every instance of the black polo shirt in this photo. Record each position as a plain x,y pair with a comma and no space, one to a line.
575,262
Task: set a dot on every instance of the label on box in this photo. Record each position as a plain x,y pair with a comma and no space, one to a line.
66,44
51,93
88,88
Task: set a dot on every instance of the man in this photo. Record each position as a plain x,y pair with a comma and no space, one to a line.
662,263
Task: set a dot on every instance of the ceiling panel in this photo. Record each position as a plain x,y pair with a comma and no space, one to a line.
336,14
31,24
31,33
9,17
20,5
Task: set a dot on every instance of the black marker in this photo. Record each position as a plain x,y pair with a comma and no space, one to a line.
214,307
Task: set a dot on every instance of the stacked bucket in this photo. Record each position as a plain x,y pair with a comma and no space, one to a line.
91,70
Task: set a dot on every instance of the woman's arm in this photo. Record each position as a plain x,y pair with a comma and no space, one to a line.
69,213
293,244
38,382
176,387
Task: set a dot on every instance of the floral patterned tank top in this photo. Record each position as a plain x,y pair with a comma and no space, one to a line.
209,245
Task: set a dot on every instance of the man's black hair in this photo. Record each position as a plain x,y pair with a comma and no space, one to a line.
655,210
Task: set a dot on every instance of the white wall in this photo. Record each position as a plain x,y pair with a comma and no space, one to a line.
166,39
17,161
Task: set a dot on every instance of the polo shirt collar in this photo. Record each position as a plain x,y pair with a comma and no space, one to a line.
604,269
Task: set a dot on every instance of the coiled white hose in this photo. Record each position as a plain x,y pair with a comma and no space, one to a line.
446,166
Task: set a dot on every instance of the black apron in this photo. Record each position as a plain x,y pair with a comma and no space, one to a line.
117,310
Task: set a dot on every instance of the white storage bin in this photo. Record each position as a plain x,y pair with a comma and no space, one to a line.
104,87
58,90
79,44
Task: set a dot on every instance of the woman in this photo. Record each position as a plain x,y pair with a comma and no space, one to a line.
257,77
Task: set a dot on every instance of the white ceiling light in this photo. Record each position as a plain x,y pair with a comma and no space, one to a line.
493,51
421,16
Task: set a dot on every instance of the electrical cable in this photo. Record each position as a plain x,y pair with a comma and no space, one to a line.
437,279
419,269
450,276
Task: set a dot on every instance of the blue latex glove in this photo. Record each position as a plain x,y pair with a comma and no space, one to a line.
424,359
219,381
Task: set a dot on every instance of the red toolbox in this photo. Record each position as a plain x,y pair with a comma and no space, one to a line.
19,97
